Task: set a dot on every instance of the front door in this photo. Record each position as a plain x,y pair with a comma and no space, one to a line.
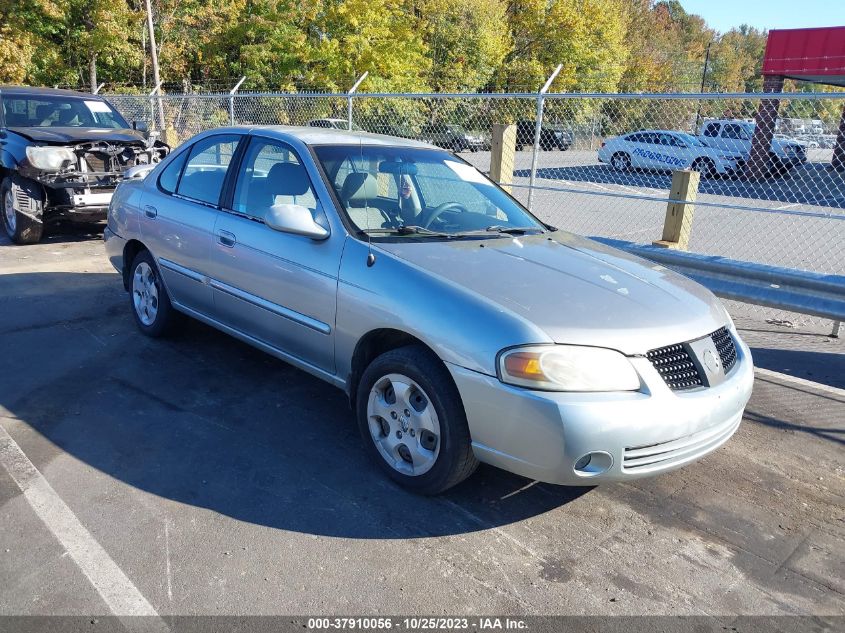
276,287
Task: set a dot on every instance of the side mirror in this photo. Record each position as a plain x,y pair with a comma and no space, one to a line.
138,172
140,126
296,219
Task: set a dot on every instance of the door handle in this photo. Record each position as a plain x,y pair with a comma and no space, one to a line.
150,211
226,238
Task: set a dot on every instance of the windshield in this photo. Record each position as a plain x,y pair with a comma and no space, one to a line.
48,111
413,191
689,139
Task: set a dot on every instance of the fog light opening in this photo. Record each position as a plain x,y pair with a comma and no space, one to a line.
582,463
592,464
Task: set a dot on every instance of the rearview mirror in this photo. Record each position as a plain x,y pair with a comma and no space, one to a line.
296,219
140,126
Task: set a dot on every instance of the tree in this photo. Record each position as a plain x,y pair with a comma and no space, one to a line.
100,32
379,36
586,36
466,41
737,59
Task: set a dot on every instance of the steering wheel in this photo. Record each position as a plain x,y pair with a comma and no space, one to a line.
440,210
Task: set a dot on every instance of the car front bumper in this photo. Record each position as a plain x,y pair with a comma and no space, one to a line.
542,435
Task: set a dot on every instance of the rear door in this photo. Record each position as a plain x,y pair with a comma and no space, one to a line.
643,145
178,216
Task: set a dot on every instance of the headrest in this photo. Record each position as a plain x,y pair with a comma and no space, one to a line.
287,179
358,189
43,111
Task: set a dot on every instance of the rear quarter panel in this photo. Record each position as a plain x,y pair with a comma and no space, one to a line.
124,208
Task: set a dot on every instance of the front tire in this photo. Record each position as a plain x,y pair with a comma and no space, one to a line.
705,167
412,421
151,307
22,210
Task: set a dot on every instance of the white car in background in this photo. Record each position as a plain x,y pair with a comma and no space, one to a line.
668,150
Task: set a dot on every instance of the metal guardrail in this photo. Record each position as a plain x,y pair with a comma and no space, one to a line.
781,288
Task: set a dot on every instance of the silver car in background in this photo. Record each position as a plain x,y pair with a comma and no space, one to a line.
462,328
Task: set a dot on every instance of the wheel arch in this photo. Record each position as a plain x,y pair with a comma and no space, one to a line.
373,344
130,252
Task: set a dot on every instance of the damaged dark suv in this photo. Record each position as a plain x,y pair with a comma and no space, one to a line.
62,153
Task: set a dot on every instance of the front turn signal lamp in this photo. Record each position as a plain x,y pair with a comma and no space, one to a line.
567,368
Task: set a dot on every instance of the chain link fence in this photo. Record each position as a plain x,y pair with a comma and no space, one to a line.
601,165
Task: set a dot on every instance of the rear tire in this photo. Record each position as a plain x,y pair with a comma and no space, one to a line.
621,161
22,210
412,421
154,315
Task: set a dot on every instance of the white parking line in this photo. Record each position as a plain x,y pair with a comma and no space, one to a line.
118,592
777,376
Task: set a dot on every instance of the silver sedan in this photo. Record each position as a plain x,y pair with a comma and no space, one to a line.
462,328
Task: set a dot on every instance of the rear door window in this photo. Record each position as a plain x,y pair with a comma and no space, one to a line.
206,167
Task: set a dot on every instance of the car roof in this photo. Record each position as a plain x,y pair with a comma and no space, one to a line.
657,132
332,136
47,92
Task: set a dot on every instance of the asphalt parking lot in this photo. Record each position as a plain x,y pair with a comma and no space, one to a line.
196,475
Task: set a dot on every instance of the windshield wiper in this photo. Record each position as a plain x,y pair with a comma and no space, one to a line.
512,230
413,229
501,230
407,229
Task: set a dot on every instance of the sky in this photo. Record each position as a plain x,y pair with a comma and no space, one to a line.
722,15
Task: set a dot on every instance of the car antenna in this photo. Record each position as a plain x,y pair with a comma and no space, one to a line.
371,258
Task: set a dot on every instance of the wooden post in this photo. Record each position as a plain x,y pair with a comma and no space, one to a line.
170,137
502,152
677,226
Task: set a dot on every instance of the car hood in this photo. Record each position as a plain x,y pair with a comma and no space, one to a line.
574,289
67,135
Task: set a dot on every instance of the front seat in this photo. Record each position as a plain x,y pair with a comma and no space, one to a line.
288,183
43,114
358,194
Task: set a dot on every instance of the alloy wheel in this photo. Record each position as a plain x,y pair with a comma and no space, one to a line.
145,293
403,424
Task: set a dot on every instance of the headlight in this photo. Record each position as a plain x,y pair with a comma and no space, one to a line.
567,368
49,158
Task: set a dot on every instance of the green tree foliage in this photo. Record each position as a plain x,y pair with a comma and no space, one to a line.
586,36
406,45
737,60
467,41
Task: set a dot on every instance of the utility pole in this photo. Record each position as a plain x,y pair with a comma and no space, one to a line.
154,58
701,90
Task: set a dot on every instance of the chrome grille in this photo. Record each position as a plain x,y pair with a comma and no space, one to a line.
674,364
22,198
725,345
